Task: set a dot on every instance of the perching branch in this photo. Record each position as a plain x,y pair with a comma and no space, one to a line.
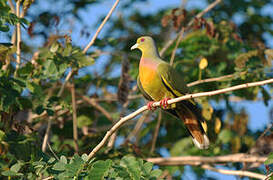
171,41
175,100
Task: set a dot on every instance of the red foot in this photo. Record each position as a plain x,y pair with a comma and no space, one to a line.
150,105
164,103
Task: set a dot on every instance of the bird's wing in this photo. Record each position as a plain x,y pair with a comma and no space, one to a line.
172,80
146,95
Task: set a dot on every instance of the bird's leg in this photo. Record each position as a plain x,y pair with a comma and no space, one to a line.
150,105
164,103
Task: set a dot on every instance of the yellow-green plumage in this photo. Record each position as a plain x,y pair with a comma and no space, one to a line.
158,80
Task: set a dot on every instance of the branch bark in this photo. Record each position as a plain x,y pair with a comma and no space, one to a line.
175,100
234,172
75,122
198,160
100,27
18,30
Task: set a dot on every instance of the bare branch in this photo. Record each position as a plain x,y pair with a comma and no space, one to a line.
64,83
170,42
198,160
18,30
47,134
175,100
234,172
180,36
100,27
12,6
75,122
212,79
98,107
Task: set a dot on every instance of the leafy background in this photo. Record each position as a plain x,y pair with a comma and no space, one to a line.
235,38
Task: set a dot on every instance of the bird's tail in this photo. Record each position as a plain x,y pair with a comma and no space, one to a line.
194,122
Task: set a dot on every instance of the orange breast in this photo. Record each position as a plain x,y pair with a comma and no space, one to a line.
151,82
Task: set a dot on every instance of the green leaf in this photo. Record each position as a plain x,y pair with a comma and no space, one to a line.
156,173
16,167
75,165
84,157
50,67
132,166
84,120
269,159
225,136
100,169
60,165
11,173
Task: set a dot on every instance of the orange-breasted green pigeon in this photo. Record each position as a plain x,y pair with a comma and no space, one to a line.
158,81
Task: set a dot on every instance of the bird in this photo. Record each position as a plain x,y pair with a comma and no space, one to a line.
159,81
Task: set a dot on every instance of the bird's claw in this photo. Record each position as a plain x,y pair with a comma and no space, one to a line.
164,103
150,105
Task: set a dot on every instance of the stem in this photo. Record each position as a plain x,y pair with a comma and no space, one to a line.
75,122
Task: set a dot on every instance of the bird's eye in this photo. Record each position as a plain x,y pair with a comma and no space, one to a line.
142,39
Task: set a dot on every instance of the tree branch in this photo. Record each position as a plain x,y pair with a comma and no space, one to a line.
98,107
234,172
180,36
75,122
18,30
170,42
100,27
175,100
90,44
198,160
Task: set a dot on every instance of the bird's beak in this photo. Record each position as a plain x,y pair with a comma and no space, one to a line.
134,46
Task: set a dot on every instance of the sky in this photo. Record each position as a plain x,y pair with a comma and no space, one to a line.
259,113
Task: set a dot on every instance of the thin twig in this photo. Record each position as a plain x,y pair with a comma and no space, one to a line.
54,154
90,43
180,36
100,27
212,79
46,134
64,83
198,160
137,127
50,177
75,122
12,6
175,100
157,127
268,176
171,41
18,48
98,107
234,172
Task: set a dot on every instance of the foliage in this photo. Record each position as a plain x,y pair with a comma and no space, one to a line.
213,47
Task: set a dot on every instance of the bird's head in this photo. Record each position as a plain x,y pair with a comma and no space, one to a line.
144,43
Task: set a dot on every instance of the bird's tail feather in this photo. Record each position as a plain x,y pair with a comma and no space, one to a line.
194,123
